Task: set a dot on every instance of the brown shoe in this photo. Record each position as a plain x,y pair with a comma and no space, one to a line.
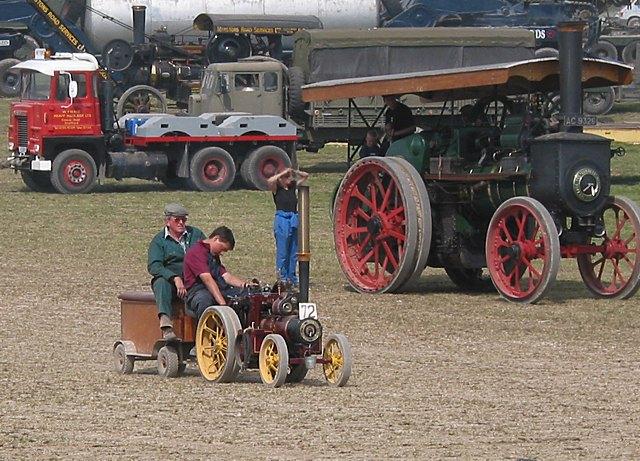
168,334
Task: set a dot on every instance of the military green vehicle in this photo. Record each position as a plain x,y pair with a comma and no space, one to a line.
261,85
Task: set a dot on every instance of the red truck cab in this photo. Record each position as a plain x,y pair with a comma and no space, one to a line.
58,111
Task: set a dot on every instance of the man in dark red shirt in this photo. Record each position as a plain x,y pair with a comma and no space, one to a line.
206,279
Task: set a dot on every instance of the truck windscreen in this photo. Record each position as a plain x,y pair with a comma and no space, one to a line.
35,86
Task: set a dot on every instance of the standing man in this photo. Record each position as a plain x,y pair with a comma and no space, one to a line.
206,279
165,257
283,185
398,119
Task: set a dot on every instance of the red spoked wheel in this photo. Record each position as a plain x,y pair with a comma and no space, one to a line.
425,223
522,249
614,270
376,225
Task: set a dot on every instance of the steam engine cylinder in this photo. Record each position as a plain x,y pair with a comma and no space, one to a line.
305,331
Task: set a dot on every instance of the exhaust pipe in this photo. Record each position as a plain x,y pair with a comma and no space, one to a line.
304,253
570,44
139,18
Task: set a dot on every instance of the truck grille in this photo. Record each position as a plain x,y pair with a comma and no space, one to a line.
23,134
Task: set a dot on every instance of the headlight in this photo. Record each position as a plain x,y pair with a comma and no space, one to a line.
310,330
11,146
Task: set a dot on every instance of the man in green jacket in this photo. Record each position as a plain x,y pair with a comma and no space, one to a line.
166,254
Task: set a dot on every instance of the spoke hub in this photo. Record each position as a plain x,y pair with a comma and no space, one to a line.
375,226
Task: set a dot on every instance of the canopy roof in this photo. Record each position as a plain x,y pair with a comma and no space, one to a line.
531,76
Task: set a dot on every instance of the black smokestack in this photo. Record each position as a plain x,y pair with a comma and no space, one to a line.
139,13
570,44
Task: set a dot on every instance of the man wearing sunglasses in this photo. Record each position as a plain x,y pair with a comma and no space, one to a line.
165,259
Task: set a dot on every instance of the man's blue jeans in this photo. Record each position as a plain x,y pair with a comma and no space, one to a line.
285,231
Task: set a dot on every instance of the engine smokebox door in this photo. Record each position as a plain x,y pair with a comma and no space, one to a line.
570,172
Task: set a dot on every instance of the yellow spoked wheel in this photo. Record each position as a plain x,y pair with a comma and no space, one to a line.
274,360
216,343
337,353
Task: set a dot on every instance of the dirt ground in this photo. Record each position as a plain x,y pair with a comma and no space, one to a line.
437,374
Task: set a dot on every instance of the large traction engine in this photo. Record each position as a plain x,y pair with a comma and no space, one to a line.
501,186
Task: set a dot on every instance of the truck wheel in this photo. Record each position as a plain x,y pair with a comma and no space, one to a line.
629,52
263,163
337,353
604,50
37,181
598,101
168,362
274,360
141,99
211,170
296,104
9,78
73,172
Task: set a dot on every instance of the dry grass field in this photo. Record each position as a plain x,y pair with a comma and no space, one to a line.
437,373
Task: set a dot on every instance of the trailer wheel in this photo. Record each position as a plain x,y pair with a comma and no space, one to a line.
375,225
37,181
337,353
263,163
9,78
629,52
73,172
522,249
604,50
273,360
216,344
211,170
469,279
168,362
122,362
141,99
598,101
614,271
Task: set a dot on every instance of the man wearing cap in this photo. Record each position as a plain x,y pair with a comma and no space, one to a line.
165,258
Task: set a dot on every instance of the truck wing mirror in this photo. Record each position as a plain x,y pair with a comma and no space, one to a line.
73,89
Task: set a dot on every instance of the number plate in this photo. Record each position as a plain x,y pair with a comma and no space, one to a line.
307,311
5,43
580,120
